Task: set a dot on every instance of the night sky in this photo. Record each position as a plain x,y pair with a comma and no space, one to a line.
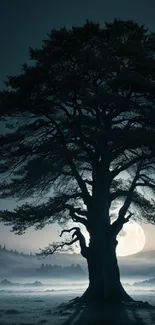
25,23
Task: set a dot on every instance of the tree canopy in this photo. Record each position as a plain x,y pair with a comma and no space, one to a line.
80,127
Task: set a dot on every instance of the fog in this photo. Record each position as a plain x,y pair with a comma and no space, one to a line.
31,289
37,304
43,284
27,284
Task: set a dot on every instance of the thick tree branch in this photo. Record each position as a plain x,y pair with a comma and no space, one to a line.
146,184
80,237
76,214
133,161
138,159
81,140
87,181
128,200
146,181
68,230
80,181
118,224
118,193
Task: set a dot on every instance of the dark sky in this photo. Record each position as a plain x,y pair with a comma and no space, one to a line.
25,23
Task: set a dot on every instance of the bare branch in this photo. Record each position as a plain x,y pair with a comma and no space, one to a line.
146,184
87,181
117,225
118,193
52,248
146,181
124,208
75,212
68,230
128,217
133,161
81,238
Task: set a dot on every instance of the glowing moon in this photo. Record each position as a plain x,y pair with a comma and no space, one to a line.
131,239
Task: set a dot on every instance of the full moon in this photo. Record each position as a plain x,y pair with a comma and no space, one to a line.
131,239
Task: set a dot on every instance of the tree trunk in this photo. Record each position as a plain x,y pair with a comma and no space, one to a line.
104,275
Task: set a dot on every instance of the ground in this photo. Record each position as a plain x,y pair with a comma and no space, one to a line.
35,309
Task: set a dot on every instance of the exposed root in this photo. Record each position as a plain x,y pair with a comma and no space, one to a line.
138,304
89,298
76,302
92,309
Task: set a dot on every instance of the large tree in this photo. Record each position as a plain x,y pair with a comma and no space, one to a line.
82,130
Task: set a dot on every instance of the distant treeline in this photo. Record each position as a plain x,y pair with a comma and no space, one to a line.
58,270
4,249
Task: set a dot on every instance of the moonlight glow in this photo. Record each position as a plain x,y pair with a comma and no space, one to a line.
131,239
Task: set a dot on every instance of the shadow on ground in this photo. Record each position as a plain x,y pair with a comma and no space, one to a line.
108,315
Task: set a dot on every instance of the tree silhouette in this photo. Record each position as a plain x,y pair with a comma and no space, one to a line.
81,125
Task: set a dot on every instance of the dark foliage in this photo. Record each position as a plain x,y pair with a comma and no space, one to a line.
81,128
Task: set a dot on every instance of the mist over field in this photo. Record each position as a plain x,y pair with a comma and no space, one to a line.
31,289
38,304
